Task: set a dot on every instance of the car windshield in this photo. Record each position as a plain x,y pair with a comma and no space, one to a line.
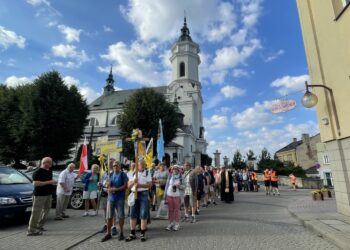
10,176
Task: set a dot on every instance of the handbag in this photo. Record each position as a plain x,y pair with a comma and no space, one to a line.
131,199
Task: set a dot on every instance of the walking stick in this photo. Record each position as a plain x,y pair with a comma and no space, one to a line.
100,188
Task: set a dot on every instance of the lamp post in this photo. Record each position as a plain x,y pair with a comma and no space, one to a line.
310,100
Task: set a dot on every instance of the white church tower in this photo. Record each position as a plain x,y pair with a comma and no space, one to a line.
185,91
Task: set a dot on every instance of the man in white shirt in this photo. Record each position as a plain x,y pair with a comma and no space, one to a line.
140,184
64,190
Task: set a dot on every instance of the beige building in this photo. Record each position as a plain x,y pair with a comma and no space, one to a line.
325,27
302,153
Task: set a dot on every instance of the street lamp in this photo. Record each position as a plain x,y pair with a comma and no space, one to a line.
310,100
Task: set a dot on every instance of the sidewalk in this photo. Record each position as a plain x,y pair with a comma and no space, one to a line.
59,235
322,217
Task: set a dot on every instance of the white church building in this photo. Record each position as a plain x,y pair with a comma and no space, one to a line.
184,90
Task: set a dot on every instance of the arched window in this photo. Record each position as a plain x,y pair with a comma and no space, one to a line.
114,121
182,69
93,122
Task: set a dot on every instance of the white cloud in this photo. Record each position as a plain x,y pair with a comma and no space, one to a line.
87,92
287,84
264,137
274,56
74,57
275,139
256,116
216,121
107,29
14,81
251,10
240,73
230,57
213,101
135,64
70,34
38,2
232,91
9,37
11,62
225,110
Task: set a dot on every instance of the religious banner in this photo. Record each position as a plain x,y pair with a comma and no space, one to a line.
283,106
108,147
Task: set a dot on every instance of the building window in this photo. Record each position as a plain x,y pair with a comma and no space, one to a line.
93,122
326,160
114,121
182,69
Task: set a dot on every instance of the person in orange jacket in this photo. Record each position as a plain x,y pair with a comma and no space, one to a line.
254,179
274,182
267,181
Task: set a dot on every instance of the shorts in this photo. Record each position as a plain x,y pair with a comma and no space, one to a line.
211,189
118,205
89,195
103,202
140,209
267,183
199,195
190,200
274,184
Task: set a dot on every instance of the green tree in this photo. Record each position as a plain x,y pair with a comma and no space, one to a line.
250,155
206,160
15,136
238,162
264,160
58,116
143,110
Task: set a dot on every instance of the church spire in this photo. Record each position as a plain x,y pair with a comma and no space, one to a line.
109,88
185,32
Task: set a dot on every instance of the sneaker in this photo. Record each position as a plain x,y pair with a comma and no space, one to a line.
106,237
186,218
85,214
121,237
197,213
37,233
143,237
130,238
65,216
114,231
169,227
93,213
193,220
104,229
176,227
42,229
215,203
58,218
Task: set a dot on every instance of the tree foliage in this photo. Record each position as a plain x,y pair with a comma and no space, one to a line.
43,118
238,162
143,110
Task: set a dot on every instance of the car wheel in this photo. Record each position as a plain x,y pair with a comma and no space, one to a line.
76,200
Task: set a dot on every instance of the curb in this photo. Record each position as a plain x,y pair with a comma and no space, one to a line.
338,238
77,243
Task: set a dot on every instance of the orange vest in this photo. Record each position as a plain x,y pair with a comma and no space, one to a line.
253,176
274,176
267,175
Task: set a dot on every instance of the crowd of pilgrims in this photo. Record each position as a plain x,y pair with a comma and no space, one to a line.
177,193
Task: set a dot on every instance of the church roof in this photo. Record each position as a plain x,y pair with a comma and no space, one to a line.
185,33
117,99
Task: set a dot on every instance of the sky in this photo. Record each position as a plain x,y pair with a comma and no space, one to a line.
252,55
